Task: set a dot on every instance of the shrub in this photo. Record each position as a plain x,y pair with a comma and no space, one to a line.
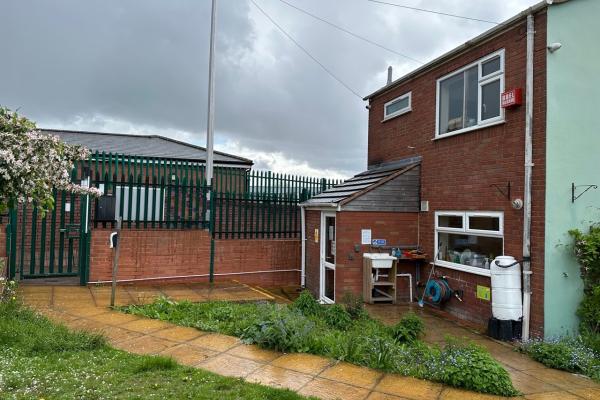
586,248
307,304
408,329
337,317
282,329
355,305
471,367
566,353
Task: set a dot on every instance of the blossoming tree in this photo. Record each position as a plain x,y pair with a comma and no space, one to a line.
32,164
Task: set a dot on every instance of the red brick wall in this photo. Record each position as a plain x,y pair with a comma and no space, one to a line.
457,171
160,253
396,228
313,221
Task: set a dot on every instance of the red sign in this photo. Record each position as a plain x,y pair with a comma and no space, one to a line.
511,98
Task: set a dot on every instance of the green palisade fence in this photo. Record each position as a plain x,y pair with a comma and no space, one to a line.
171,193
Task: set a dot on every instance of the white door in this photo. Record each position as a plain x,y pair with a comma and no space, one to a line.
327,279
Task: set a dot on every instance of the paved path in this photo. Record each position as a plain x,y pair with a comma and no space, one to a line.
86,308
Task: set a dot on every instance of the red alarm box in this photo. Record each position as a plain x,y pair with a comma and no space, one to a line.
511,98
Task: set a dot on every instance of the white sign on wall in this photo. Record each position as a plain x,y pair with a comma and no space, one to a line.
365,236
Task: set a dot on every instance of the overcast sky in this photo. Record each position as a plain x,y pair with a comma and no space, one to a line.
140,66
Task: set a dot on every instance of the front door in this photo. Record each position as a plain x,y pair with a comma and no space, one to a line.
328,247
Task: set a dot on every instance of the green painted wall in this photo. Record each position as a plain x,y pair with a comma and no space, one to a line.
573,152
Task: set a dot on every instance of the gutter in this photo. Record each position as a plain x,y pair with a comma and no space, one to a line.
456,52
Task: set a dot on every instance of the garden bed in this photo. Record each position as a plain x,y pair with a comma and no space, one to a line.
342,332
43,360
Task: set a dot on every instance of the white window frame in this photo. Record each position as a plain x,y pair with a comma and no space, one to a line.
481,81
477,232
154,199
404,110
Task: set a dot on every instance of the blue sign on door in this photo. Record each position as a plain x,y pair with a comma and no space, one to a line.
378,242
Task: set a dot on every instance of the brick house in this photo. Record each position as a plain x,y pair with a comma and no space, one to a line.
466,118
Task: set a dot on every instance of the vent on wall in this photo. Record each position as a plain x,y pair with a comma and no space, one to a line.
424,206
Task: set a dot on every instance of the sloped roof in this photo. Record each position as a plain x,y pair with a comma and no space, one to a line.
144,146
362,183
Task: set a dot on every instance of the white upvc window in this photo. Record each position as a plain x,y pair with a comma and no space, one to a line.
398,106
468,240
469,98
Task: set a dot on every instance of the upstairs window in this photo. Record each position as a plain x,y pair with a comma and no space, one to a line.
397,106
470,97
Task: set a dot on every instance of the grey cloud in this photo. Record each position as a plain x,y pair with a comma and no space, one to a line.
145,62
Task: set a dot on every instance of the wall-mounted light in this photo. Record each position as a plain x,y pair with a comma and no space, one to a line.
554,46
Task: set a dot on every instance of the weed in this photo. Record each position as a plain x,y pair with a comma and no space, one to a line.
154,363
409,329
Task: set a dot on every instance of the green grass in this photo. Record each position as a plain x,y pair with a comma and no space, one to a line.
43,360
344,333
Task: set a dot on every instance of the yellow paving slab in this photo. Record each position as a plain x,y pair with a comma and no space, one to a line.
117,335
179,294
331,390
301,362
114,318
352,374
229,365
279,377
517,361
58,316
458,394
408,387
587,393
88,325
383,396
216,342
178,333
528,384
145,325
188,355
83,312
552,396
566,381
253,353
145,345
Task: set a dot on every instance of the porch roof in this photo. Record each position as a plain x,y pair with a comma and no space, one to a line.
365,182
145,146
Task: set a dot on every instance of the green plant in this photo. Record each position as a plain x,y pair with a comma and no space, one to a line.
307,304
355,305
409,329
282,329
337,317
307,326
586,248
566,353
471,367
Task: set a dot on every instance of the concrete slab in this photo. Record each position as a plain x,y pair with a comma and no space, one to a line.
216,342
300,362
229,365
188,355
352,375
279,377
411,388
331,390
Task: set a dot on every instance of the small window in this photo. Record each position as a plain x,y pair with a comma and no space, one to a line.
152,212
468,241
451,221
398,106
470,97
491,66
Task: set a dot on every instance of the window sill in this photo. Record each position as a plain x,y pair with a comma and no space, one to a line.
396,115
469,129
463,268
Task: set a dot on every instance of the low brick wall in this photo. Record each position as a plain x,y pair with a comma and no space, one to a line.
184,255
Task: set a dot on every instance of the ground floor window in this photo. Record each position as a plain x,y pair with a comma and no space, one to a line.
467,240
139,205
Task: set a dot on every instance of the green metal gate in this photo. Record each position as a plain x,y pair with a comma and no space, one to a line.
52,245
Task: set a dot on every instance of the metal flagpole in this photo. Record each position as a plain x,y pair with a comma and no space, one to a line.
210,128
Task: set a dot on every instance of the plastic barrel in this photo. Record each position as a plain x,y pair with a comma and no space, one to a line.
506,289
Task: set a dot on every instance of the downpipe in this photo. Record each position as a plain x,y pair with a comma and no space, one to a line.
527,186
303,255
